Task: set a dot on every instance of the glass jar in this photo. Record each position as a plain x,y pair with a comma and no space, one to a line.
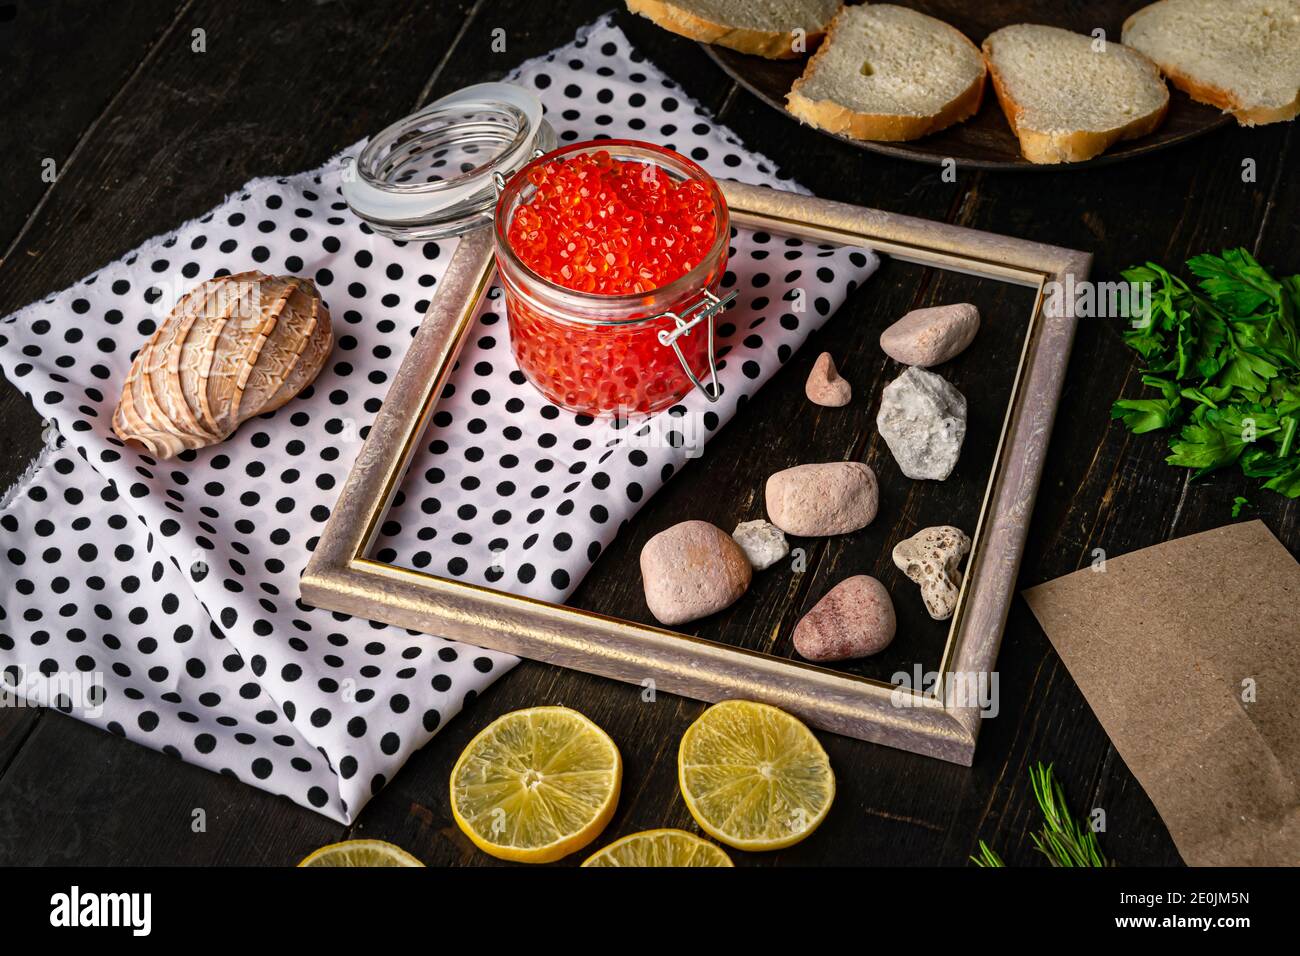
628,354
462,164
436,173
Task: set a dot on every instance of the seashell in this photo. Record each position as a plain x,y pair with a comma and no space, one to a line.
231,348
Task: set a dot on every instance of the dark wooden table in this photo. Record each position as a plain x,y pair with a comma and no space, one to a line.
144,132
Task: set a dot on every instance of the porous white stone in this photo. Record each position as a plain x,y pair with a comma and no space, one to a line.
931,558
764,543
923,421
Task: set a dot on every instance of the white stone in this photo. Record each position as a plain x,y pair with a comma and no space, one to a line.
763,543
931,558
923,421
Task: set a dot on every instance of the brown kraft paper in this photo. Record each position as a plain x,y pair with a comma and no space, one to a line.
1189,654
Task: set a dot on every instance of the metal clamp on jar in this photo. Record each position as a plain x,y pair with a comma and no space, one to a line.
472,159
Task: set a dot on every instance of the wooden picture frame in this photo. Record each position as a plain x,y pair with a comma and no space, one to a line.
941,721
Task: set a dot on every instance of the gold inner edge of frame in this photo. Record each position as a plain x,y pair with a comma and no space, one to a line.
420,578
977,546
428,401
748,217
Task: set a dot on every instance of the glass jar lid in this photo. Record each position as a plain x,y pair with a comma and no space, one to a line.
435,173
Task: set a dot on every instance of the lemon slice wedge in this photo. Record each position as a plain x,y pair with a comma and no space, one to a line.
536,785
361,853
660,848
753,776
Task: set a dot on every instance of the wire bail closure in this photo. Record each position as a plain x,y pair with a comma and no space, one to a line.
708,306
499,179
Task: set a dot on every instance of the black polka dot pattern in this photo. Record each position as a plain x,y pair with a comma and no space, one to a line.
159,600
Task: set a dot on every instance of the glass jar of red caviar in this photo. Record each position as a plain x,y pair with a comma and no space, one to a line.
611,256
611,253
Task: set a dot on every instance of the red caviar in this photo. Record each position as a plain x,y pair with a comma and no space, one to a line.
605,226
612,226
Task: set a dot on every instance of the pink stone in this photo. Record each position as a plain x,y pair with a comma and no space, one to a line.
854,619
824,386
692,570
928,337
812,501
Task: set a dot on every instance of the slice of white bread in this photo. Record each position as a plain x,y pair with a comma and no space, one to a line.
1242,56
1068,96
776,29
886,72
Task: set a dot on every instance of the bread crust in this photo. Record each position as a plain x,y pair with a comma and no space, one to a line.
1216,96
883,127
880,127
1224,100
1073,146
772,45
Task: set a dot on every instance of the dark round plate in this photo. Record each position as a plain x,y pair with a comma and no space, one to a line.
985,141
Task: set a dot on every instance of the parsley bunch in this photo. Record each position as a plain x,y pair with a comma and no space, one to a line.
1225,357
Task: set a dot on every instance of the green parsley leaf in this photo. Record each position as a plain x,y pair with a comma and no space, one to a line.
1143,414
1224,355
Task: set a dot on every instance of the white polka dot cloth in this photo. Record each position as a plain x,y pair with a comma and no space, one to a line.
159,599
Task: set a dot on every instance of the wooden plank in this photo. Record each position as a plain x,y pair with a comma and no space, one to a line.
501,34
77,795
197,125
48,110
48,113
16,724
1103,488
1277,244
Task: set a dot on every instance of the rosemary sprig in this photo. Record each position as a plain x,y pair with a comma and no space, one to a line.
987,856
1064,841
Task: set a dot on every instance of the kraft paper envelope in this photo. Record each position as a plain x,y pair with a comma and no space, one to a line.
1189,654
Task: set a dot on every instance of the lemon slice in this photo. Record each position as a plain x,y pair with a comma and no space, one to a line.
753,776
361,853
536,785
659,848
